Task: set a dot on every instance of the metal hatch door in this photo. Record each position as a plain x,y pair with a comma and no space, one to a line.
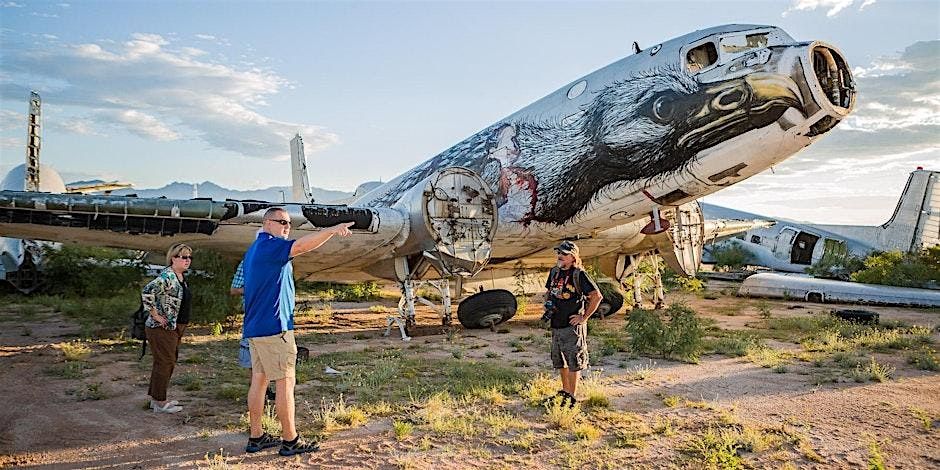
803,246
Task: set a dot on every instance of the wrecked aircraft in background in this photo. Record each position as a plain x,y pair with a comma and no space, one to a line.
811,289
793,246
614,159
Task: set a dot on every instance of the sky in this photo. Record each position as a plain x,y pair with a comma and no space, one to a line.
156,92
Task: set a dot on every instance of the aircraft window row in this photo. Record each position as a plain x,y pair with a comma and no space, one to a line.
701,57
741,43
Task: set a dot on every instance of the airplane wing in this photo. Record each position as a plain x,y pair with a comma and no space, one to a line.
446,222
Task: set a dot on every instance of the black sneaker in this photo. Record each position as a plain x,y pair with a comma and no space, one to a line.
297,446
566,397
257,444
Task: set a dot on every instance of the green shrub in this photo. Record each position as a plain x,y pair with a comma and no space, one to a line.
676,333
895,268
730,256
210,281
90,271
330,291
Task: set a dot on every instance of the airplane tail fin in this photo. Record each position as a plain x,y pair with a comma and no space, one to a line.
300,185
915,224
916,219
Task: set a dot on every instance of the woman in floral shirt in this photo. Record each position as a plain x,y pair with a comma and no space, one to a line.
168,301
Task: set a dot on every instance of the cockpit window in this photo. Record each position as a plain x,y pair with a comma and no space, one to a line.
701,57
741,43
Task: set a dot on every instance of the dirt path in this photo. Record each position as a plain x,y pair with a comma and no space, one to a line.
95,418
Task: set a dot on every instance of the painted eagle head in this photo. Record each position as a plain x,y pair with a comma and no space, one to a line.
641,128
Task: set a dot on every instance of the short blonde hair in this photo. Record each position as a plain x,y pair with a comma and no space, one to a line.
175,250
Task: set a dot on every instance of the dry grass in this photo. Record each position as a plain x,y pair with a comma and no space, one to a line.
75,350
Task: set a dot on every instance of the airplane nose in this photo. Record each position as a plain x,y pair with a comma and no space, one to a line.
830,84
833,76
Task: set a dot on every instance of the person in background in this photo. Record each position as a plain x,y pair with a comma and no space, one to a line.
244,347
168,301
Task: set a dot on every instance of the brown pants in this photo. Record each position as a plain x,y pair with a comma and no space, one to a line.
165,348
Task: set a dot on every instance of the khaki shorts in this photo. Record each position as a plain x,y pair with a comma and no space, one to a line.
569,348
275,356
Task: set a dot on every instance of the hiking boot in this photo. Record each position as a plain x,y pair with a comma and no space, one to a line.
297,446
270,395
257,444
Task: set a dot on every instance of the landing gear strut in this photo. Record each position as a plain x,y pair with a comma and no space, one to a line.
404,317
633,275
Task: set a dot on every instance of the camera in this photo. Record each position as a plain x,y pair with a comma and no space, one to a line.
549,311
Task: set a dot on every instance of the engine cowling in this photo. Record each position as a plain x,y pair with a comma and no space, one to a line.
453,221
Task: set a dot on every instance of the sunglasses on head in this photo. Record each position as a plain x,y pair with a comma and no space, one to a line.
282,222
188,257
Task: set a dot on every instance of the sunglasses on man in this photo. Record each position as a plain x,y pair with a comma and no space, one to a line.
282,222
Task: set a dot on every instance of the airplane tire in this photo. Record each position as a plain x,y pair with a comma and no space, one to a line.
613,300
486,309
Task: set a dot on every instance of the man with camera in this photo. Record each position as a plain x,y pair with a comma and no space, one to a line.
569,288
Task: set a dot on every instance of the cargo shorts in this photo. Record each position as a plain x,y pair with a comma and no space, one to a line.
275,356
569,348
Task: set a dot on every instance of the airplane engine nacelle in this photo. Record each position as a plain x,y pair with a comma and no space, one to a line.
453,220
681,246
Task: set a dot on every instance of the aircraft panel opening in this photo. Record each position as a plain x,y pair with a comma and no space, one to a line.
834,76
702,57
740,43
803,245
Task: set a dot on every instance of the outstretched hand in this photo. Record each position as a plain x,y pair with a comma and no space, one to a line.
342,229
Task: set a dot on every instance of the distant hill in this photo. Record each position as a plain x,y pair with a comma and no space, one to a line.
178,190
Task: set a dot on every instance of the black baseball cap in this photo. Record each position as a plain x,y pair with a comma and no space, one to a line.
567,247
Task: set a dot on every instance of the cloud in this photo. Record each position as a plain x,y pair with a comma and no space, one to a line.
900,92
153,88
834,6
10,120
12,5
76,126
13,142
44,15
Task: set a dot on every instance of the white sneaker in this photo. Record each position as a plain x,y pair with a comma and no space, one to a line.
153,403
167,408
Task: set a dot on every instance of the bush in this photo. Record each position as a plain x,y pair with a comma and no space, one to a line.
90,271
895,268
210,280
731,256
676,333
330,292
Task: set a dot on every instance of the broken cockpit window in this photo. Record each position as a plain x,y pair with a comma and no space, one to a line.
701,57
743,42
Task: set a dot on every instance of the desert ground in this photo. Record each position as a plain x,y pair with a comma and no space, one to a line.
779,384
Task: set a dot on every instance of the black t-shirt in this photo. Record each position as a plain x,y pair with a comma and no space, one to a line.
186,306
562,293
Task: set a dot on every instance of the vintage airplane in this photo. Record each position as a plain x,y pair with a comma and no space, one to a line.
793,246
614,159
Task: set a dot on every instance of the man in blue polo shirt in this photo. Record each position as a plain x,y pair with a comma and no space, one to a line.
269,325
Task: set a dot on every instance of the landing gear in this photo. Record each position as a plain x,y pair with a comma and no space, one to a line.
27,276
634,274
486,309
405,316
